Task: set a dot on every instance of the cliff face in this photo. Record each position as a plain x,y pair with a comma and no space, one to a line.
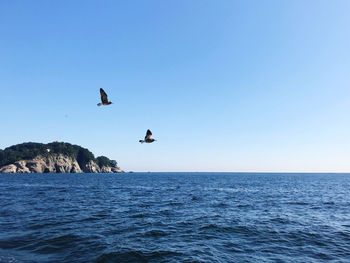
56,163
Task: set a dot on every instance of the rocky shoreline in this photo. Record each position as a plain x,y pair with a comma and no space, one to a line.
57,163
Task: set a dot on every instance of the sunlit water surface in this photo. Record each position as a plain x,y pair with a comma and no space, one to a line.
175,217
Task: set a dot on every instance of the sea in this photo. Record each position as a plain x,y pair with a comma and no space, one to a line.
175,217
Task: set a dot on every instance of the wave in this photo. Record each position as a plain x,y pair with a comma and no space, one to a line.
137,256
219,219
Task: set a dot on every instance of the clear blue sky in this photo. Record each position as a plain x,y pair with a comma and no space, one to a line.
223,85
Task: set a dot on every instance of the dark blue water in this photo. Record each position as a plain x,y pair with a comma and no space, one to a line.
175,217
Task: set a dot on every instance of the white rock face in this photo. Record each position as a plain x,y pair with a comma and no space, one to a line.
105,169
116,169
9,169
58,163
91,167
109,169
21,167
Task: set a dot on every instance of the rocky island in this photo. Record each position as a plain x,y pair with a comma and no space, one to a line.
55,157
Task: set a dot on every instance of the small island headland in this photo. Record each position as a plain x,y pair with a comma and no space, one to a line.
55,157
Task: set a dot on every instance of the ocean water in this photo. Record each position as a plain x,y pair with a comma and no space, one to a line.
175,217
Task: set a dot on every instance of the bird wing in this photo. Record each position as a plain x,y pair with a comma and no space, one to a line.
104,98
148,135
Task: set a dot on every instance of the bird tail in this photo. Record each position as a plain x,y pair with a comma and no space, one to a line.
141,141
99,104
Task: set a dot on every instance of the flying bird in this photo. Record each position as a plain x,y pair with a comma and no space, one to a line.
148,138
104,98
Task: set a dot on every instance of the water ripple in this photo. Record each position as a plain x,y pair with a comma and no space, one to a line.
171,217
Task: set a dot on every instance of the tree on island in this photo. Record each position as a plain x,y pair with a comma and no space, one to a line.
104,161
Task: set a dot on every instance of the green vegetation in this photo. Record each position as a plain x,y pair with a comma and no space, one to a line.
30,150
104,161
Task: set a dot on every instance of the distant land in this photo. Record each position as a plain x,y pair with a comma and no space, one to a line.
55,157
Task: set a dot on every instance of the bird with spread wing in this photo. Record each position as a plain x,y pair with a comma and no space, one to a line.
104,99
148,138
